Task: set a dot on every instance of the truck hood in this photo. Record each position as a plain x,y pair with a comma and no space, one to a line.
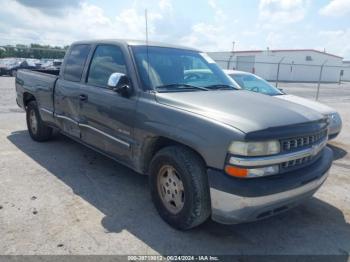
244,110
323,109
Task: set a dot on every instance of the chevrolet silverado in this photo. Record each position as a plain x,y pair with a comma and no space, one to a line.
208,148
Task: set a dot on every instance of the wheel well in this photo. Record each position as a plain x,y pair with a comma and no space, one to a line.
158,143
27,97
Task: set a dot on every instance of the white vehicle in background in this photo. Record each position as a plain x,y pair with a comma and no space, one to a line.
251,82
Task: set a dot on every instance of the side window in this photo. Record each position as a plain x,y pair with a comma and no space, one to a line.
107,59
75,62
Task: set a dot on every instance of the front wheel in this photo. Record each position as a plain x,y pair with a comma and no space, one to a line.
37,129
179,187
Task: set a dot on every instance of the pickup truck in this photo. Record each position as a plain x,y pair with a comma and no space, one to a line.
208,148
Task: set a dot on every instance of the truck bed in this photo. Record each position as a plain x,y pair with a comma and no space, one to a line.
46,71
41,84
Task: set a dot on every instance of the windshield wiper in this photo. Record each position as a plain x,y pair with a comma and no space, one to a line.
179,87
221,87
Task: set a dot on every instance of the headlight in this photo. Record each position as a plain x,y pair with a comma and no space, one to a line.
251,172
255,148
334,118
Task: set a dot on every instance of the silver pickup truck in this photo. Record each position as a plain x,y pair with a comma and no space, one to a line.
209,149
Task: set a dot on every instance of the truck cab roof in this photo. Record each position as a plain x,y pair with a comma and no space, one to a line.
131,42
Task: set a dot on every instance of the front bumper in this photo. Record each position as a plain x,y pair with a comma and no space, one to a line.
236,201
334,131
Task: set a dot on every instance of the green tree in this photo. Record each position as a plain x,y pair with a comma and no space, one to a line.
33,51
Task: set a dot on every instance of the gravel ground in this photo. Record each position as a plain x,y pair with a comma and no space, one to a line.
60,197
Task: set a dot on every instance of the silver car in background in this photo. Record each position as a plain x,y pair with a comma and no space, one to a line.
251,82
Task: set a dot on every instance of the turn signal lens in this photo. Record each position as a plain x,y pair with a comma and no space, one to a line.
252,172
236,171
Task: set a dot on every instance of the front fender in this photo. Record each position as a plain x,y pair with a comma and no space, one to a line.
206,136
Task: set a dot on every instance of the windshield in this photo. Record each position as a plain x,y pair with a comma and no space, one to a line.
256,84
176,70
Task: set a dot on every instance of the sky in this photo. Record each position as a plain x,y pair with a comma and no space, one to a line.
210,25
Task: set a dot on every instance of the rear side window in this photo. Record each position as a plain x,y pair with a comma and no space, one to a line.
75,62
107,59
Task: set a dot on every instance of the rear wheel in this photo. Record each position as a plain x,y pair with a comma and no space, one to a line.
14,73
37,129
179,187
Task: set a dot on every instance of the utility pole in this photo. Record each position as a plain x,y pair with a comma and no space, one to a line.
278,71
232,54
319,79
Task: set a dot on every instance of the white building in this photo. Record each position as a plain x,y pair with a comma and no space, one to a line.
346,71
303,65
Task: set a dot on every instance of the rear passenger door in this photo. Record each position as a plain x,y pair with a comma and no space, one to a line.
68,88
107,117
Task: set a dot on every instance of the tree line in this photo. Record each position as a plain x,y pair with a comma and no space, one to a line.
33,51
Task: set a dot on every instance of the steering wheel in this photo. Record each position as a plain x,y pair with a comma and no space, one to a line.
192,77
255,89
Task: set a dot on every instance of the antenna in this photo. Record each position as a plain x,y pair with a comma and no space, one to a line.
146,20
148,69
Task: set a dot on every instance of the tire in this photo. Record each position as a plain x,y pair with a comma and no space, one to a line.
37,129
191,206
14,73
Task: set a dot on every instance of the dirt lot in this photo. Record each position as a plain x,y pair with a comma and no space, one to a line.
62,198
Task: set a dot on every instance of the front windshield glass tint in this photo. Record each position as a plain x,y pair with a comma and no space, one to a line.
253,83
178,69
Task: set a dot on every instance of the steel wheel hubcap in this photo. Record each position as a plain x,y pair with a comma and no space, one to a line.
33,121
171,189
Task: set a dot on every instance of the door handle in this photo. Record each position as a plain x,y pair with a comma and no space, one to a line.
83,97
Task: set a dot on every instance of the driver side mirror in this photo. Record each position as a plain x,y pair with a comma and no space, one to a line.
120,83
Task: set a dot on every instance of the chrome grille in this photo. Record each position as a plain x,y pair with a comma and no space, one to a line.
302,141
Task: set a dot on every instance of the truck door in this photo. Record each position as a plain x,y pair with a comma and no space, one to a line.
67,95
106,118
